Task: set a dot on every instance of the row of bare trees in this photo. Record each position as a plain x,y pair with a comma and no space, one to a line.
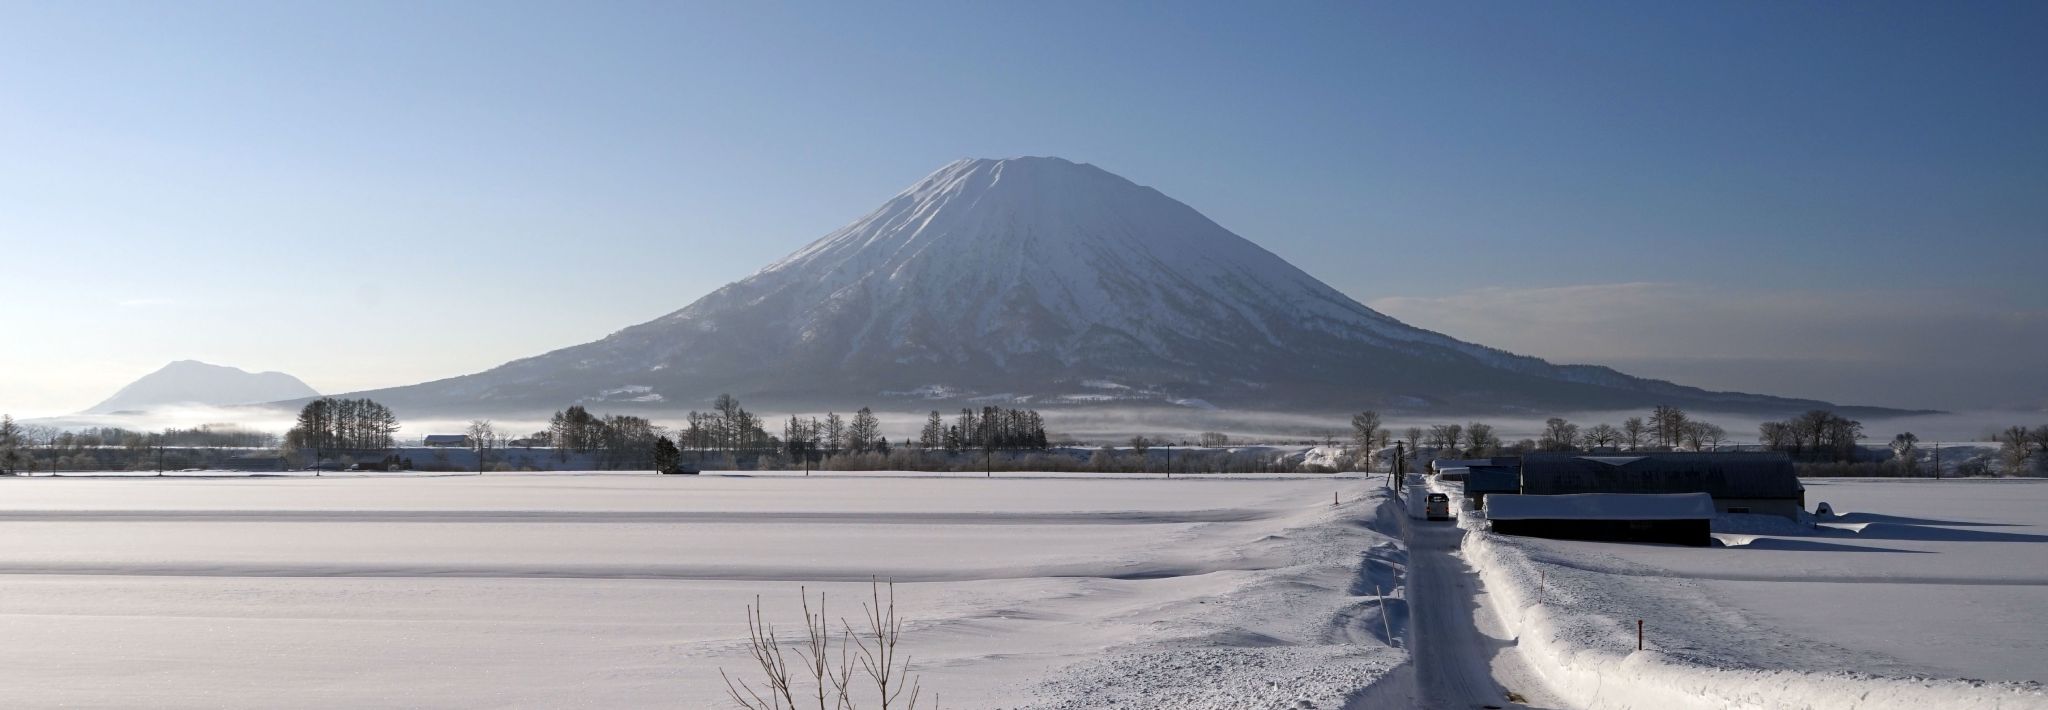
1666,428
991,429
1817,435
328,425
810,436
620,441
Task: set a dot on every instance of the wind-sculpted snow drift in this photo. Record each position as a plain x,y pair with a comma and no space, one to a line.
1313,632
1044,282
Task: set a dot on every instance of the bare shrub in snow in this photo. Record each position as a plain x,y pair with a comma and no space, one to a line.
873,651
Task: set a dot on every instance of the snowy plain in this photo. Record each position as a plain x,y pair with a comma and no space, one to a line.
611,590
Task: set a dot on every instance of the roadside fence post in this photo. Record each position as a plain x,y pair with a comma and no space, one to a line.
1384,623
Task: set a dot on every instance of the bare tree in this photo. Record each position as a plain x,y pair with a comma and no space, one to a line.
1632,431
1602,435
482,439
933,436
835,432
1480,439
1712,435
1441,437
1365,427
13,443
1559,435
1668,424
1140,444
1775,436
865,431
2017,448
1903,449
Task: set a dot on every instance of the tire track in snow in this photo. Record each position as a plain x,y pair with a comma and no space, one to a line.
1454,660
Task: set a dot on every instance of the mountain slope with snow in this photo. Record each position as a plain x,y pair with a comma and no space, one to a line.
191,382
1045,281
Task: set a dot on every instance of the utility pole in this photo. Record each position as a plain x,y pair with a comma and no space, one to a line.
1399,478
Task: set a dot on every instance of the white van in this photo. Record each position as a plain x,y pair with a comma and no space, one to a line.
1438,507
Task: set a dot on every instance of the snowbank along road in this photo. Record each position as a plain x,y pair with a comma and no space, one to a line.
1786,615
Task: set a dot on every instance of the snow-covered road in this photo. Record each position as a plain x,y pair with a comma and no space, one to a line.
1462,657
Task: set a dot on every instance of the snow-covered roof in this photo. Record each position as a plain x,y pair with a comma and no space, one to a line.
1447,463
1601,506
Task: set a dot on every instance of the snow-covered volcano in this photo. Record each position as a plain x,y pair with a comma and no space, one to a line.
191,382
1045,281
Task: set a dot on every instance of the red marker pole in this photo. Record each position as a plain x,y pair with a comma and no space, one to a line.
1639,634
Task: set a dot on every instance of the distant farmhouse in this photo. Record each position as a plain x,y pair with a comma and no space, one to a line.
1454,469
453,441
1668,497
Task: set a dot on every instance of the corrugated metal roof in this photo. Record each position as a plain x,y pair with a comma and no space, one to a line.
1724,475
1493,479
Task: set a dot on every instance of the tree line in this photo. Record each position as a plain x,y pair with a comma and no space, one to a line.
1666,428
31,448
328,424
1817,435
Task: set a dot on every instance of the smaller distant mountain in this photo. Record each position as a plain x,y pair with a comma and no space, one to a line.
194,382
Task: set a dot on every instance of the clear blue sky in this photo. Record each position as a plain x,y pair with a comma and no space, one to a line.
446,186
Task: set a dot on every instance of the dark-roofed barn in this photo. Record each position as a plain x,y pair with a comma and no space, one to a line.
1481,481
1675,518
1739,482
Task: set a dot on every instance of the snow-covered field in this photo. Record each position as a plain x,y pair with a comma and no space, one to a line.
1037,590
1919,594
